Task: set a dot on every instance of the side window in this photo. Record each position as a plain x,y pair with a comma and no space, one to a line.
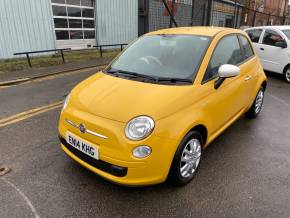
271,37
246,47
254,34
227,51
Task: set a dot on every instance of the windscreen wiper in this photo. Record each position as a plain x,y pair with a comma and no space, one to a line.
153,78
174,80
132,74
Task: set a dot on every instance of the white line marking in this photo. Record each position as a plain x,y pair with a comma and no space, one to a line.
279,99
25,198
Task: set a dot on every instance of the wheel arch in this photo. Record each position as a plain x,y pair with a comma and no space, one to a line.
264,85
286,67
202,130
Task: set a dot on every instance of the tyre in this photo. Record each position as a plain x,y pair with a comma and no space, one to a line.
287,74
186,160
257,105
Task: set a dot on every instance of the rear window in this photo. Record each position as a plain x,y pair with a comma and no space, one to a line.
254,34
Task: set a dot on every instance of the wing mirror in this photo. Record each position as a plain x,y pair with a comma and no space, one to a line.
226,71
281,44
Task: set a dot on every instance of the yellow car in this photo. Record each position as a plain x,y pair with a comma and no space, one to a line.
148,116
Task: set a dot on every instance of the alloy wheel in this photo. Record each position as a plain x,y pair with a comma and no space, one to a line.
259,102
287,75
190,158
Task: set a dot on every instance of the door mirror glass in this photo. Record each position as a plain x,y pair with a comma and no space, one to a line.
281,44
228,70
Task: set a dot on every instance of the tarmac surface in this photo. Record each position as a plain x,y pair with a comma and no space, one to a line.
244,173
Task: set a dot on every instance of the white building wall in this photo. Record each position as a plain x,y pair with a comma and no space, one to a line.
116,21
25,25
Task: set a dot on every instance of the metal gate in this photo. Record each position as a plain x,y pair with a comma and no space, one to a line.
155,14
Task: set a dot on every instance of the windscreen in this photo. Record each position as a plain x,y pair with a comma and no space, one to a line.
167,56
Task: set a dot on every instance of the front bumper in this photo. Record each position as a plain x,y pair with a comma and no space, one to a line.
116,162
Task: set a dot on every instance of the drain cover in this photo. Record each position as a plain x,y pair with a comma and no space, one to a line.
4,170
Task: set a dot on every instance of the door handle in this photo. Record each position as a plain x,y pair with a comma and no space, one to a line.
262,49
248,78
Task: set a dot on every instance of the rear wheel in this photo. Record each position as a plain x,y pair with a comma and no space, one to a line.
257,105
287,75
187,159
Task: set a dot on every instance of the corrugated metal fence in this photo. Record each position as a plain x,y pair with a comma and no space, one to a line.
25,25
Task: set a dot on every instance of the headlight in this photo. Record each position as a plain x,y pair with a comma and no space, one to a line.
65,102
139,128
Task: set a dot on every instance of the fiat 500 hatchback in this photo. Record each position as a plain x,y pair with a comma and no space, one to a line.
148,116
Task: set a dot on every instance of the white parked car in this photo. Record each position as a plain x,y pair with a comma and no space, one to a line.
272,44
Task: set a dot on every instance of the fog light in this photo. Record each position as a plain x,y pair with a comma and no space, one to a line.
142,151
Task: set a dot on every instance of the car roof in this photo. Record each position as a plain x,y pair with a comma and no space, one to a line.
201,31
273,27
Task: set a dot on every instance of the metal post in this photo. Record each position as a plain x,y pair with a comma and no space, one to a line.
209,7
101,51
28,59
192,12
63,61
237,17
254,19
170,14
203,14
235,14
121,47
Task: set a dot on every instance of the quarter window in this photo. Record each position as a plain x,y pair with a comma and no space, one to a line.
246,47
254,34
271,37
228,51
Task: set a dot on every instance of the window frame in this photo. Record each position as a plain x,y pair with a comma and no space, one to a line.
213,78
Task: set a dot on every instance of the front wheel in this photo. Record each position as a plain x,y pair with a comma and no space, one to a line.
187,159
287,75
256,107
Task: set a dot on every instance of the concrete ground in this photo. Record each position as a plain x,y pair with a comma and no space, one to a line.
244,173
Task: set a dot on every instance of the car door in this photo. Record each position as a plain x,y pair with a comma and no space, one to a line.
255,35
225,103
272,57
249,69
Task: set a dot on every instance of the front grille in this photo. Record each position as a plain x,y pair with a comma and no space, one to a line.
99,164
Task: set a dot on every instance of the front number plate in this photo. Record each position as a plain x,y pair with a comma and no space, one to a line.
82,146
